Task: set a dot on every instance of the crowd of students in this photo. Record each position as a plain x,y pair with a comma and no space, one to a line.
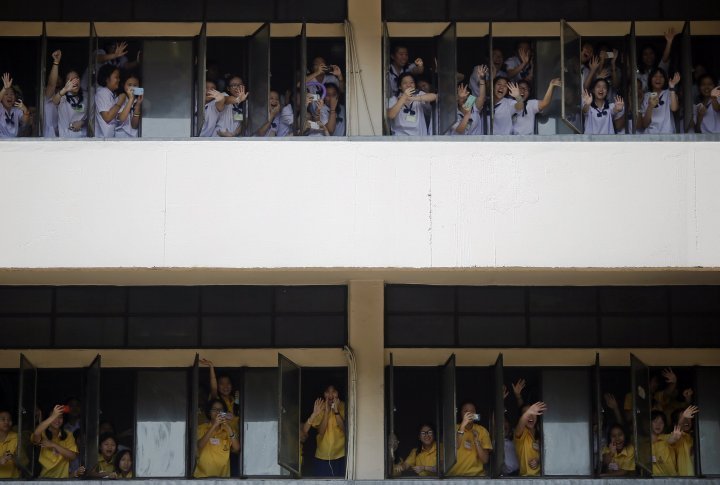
671,432
604,100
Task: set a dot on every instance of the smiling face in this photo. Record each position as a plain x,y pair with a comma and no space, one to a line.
5,422
234,85
657,83
524,89
658,425
407,82
400,56
56,423
648,56
225,386
317,62
108,448
8,99
209,86
501,89
330,394
113,82
586,53
618,438
125,463
426,435
274,99
532,419
600,91
706,86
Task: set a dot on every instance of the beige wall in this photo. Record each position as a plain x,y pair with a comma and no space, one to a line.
364,17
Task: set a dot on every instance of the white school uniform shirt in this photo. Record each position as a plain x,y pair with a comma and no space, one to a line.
282,124
124,129
523,122
512,464
327,79
513,63
104,101
393,75
10,122
504,111
118,62
210,120
70,109
410,121
474,125
231,117
599,120
662,120
325,118
50,128
711,120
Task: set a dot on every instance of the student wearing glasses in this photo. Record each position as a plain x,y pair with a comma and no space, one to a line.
473,445
215,440
232,120
423,459
409,108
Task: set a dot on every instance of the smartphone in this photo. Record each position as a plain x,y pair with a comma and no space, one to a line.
476,417
315,97
610,55
314,125
653,94
469,102
137,91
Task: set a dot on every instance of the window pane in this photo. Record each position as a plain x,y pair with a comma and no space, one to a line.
313,331
163,299
421,331
467,10
310,299
19,332
634,332
563,331
420,299
161,423
492,331
412,10
25,300
637,300
90,332
478,299
240,10
162,332
562,300
709,419
241,331
168,11
696,331
90,299
311,10
237,299
695,298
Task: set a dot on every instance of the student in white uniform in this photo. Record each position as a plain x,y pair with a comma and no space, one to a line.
280,118
50,124
113,54
71,103
648,59
408,109
660,102
496,69
523,123
130,114
587,55
214,106
706,113
400,65
520,66
601,116
469,117
107,104
233,118
324,74
504,107
333,113
15,114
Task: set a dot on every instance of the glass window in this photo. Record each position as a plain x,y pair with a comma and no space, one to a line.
237,331
90,332
164,332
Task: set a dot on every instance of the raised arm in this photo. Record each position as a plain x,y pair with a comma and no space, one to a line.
618,119
687,415
482,71
110,114
524,57
669,36
404,98
120,50
545,102
536,410
674,106
213,379
53,76
612,404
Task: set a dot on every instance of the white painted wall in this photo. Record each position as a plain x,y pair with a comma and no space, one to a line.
302,203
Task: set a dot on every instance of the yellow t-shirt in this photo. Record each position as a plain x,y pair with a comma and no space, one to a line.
214,458
422,457
664,463
9,444
527,449
235,421
104,466
625,460
54,465
129,475
684,455
331,445
468,464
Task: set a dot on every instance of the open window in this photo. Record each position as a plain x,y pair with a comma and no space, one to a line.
92,413
474,48
571,77
27,389
498,422
448,415
707,452
289,415
641,402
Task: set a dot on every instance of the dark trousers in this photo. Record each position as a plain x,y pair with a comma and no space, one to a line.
329,468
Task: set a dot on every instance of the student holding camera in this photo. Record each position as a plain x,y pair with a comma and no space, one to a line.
469,111
17,115
408,109
400,66
473,445
129,116
57,446
216,439
323,73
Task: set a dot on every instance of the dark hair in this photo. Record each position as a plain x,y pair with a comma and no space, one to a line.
526,83
399,82
501,78
125,75
119,456
652,73
104,73
432,428
599,80
659,414
209,406
337,389
222,375
396,48
522,41
615,426
643,67
107,436
62,433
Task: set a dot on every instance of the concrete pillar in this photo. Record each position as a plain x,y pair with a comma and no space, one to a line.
366,20
365,331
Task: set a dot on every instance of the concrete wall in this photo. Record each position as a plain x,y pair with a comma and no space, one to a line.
358,204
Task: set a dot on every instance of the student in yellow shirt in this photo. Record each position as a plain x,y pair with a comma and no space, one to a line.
684,447
473,445
123,464
221,387
664,461
618,456
58,447
105,467
330,425
216,439
423,459
527,444
8,447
